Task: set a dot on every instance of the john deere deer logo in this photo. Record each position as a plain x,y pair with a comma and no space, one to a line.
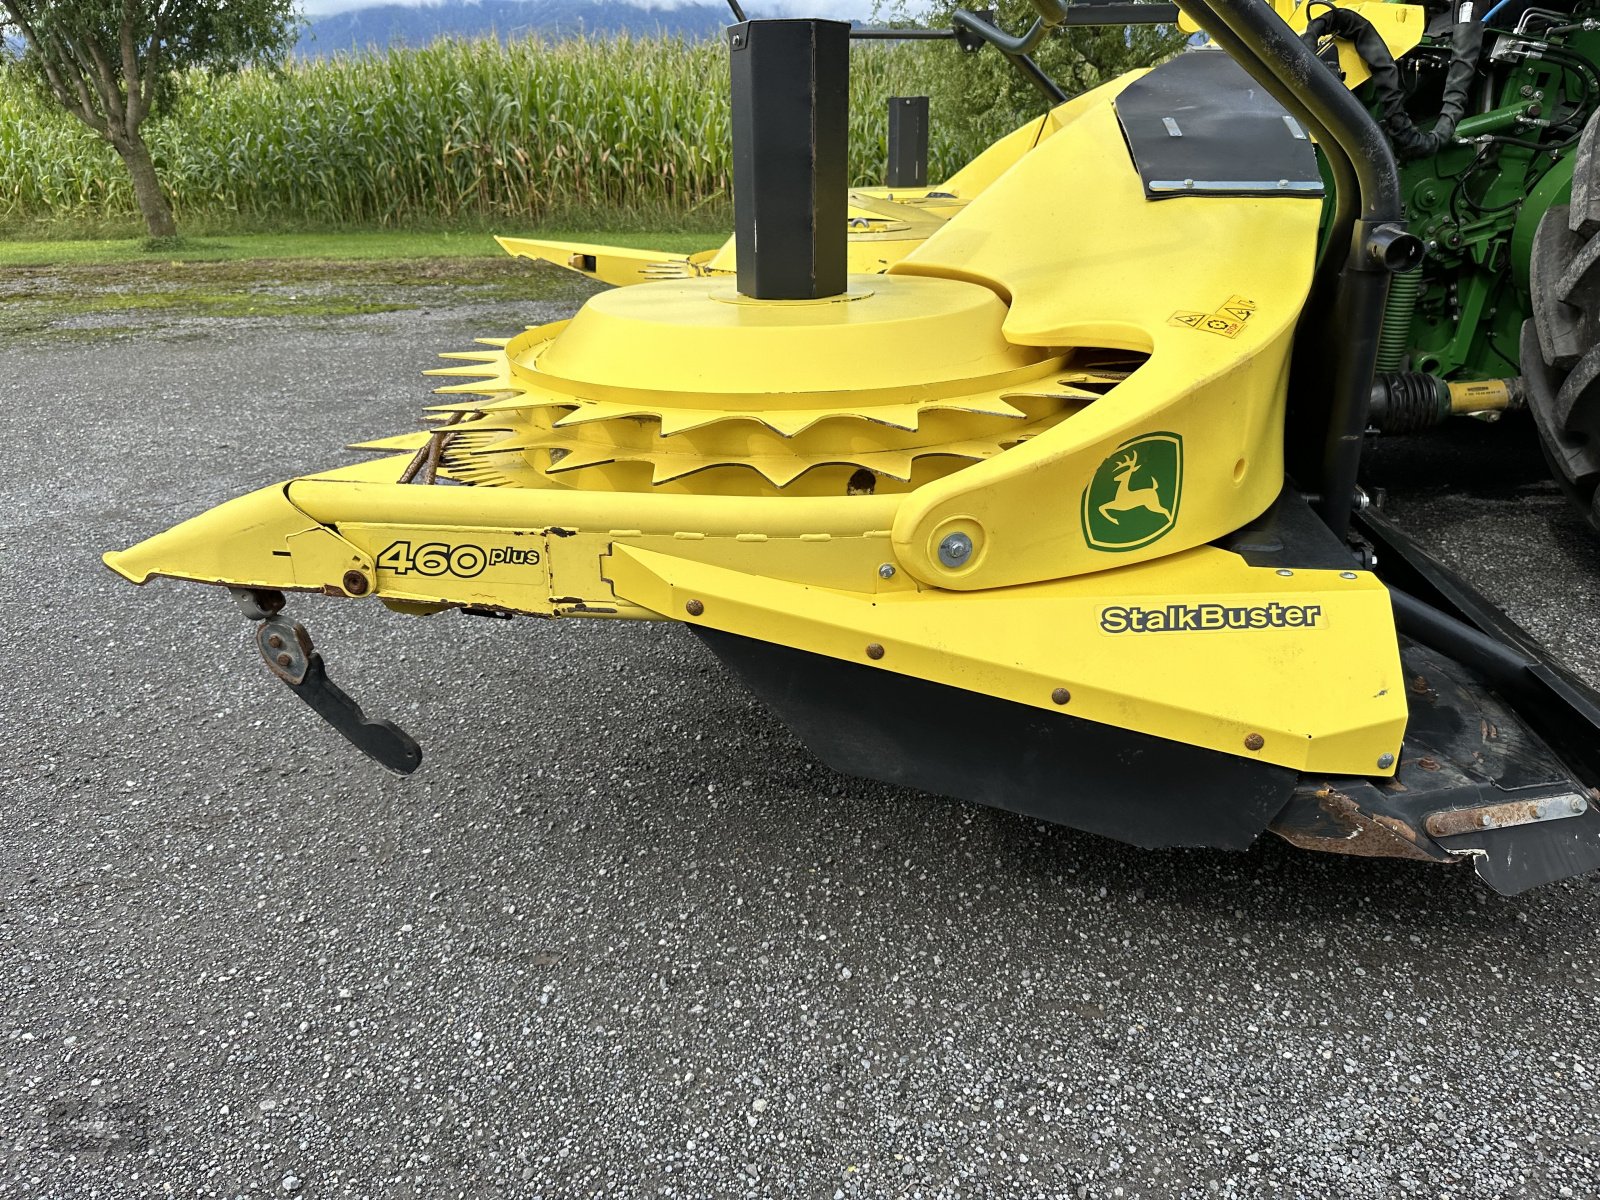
1133,498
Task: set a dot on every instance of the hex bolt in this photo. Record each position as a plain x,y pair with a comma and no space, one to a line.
1579,805
886,571
955,550
1061,695
355,583
874,651
1254,741
275,642
284,660
1385,761
694,608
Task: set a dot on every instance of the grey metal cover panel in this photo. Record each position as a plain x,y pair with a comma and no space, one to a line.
1199,125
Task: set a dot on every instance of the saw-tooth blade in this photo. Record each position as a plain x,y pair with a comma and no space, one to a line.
484,387
1072,395
588,412
979,406
509,445
468,370
578,457
388,445
506,403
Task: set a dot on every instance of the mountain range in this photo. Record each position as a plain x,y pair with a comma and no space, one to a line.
388,25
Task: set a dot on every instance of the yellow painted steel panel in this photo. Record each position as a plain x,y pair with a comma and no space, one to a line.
1197,647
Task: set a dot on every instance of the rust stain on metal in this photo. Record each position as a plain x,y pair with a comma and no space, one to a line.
1495,816
1367,835
1428,764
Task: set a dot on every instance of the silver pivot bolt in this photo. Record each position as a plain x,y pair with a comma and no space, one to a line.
955,550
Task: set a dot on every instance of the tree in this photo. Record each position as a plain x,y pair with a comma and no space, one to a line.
111,63
980,96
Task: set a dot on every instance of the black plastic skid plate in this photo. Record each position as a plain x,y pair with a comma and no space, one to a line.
899,729
1199,126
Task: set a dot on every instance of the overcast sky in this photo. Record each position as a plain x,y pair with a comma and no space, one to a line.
860,9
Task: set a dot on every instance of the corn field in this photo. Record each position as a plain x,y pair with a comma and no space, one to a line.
459,130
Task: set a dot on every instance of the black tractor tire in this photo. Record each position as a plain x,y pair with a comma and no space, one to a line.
1560,350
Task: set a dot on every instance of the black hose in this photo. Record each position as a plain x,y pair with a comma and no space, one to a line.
1466,44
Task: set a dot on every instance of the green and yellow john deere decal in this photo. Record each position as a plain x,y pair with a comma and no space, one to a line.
1133,498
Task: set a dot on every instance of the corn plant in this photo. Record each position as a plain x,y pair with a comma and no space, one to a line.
598,129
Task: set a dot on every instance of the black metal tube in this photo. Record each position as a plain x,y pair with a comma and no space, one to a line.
1505,668
908,142
1341,323
1008,44
1034,73
1101,12
1015,50
887,33
790,101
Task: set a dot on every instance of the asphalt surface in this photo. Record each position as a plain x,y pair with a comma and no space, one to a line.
622,935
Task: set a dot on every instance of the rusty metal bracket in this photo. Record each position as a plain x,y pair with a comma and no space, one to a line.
1452,821
286,648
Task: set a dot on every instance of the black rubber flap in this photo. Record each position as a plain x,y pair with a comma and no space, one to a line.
866,721
1199,126
1466,753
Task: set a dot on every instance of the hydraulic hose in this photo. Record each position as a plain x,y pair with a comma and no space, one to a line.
1466,44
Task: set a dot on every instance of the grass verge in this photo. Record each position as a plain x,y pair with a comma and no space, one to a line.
79,290
360,245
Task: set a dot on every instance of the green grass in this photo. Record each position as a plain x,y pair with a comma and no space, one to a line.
358,246
83,291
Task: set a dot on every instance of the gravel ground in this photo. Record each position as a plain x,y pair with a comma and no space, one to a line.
622,935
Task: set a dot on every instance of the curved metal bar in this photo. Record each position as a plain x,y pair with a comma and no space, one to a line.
1016,50
1048,88
1002,41
1337,340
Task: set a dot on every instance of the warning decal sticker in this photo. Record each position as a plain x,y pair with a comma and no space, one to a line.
1228,319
